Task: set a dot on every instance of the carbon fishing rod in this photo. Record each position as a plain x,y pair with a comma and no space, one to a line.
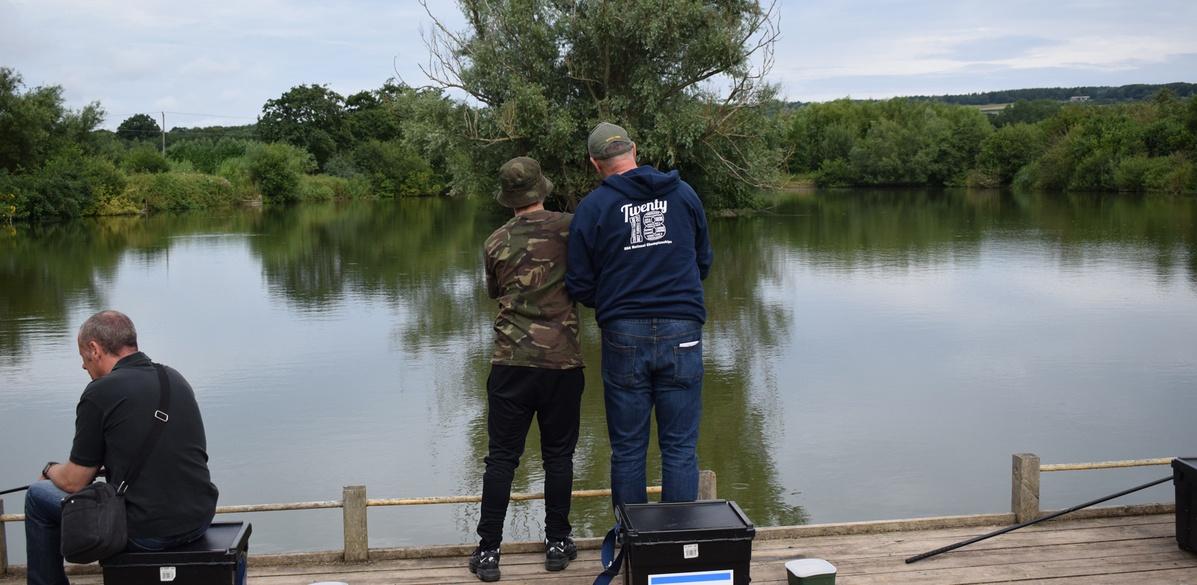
945,549
20,489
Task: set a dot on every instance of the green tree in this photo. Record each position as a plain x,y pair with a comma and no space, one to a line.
1007,150
144,159
678,75
369,117
311,117
276,170
206,154
35,125
395,169
139,127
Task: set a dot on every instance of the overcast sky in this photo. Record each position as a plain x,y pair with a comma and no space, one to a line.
225,58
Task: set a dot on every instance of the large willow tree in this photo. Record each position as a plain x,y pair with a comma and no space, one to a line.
685,77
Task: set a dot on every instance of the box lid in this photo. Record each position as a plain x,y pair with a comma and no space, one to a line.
218,545
675,521
810,568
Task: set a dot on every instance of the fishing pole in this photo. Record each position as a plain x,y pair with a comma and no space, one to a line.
945,549
20,489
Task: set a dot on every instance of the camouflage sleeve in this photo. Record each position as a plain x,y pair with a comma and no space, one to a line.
492,283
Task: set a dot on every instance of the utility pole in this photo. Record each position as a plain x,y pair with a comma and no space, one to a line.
163,133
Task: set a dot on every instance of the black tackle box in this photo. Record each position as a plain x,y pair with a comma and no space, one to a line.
686,543
1184,475
211,560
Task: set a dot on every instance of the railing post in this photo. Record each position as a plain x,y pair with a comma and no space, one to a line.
706,485
357,539
1024,483
3,543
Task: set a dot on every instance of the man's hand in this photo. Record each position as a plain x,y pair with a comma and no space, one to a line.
70,477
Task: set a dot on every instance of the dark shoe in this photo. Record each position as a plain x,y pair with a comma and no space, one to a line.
485,564
558,554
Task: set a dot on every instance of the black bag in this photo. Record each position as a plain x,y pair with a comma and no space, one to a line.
94,525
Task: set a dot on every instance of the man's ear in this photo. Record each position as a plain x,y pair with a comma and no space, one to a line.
94,349
594,163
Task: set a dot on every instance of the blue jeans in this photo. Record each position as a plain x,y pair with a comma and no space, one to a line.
43,531
43,536
647,364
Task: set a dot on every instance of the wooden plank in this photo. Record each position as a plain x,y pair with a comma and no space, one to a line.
909,543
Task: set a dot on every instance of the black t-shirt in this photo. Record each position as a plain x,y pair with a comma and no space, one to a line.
174,494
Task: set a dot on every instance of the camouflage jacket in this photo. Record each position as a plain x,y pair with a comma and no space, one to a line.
537,324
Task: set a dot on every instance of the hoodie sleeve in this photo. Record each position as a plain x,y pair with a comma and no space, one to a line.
702,242
580,275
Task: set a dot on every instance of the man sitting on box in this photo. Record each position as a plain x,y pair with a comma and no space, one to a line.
173,501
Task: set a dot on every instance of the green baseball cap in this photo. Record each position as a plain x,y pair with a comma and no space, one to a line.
522,183
608,140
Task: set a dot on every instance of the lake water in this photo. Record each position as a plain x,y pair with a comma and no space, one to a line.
870,355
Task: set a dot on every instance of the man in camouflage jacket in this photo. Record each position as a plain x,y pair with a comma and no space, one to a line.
536,368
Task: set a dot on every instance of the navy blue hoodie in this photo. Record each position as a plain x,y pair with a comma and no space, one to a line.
638,248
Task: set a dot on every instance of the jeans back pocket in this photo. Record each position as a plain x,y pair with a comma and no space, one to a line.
687,362
619,362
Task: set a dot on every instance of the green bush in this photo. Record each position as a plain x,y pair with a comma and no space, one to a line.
180,191
206,155
236,172
275,169
184,166
835,173
326,188
395,170
144,159
1174,174
1131,173
1007,150
1094,172
68,185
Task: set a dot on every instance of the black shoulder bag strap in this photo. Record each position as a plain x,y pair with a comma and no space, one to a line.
155,433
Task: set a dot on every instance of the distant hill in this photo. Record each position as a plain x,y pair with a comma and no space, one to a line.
1102,94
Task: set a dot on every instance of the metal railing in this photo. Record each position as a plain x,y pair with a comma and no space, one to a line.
1024,479
354,503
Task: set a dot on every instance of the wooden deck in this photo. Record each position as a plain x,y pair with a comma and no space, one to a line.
1138,550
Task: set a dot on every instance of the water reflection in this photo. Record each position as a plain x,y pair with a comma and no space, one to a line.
841,324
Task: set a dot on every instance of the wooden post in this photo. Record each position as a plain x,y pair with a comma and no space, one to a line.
1024,484
357,539
3,543
706,485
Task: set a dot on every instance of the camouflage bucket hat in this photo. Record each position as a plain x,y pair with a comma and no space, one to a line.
522,183
608,140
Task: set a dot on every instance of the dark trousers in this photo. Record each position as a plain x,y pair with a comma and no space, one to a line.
514,395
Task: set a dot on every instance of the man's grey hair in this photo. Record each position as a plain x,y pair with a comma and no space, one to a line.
111,330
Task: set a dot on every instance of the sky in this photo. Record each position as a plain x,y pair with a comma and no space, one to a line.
218,61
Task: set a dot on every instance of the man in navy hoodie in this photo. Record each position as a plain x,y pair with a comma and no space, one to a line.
638,252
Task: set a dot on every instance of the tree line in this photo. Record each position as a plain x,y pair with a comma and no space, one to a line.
1098,94
688,79
1042,144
